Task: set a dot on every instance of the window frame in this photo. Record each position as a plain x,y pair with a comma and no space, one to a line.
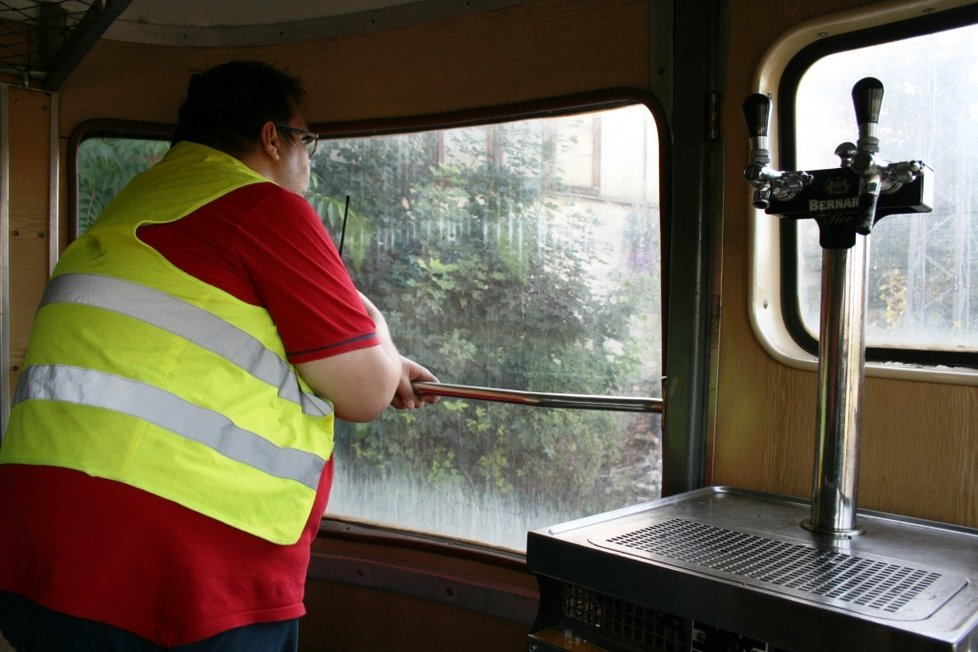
774,305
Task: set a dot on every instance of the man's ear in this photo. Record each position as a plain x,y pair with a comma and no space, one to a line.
270,141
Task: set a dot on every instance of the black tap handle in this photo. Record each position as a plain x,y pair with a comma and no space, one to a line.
757,114
867,98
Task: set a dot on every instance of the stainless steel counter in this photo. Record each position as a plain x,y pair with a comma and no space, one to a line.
733,567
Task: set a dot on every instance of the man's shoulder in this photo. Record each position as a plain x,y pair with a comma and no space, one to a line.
267,196
259,191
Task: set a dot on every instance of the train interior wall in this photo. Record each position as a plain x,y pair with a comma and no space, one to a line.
920,440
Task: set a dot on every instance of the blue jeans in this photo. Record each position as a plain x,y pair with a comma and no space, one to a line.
29,627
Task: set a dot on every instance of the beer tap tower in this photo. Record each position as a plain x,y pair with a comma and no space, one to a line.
845,202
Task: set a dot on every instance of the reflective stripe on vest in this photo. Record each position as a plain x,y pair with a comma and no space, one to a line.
102,390
189,322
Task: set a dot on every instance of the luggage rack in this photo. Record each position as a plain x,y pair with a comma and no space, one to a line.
43,41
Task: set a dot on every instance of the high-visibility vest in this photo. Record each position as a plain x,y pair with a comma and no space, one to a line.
140,373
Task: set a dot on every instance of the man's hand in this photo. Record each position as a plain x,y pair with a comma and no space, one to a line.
404,397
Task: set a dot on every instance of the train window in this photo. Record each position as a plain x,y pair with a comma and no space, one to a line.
522,255
922,295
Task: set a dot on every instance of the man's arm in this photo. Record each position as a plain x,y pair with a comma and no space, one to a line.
362,383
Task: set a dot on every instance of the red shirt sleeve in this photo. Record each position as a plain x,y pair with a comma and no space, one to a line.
266,246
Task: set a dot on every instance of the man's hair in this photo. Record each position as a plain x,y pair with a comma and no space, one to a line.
227,105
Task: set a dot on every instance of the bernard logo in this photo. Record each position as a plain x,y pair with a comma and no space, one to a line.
838,190
818,205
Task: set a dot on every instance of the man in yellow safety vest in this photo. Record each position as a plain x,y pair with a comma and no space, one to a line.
168,453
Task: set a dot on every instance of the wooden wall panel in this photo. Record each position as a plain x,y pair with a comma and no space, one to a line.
379,615
346,617
29,116
538,49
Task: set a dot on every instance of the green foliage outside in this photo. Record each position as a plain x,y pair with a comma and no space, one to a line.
105,166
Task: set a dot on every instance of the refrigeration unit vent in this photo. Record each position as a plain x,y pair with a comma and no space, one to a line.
624,621
867,584
625,625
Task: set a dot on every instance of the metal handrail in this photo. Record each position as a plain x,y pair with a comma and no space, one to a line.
541,399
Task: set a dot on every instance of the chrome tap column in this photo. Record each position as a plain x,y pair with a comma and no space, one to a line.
845,202
840,381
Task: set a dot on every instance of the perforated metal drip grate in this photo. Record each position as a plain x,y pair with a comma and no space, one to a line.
875,586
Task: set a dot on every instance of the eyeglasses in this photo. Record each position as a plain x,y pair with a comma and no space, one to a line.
309,139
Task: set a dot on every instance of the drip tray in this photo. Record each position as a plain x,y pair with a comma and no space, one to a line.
728,562
863,583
